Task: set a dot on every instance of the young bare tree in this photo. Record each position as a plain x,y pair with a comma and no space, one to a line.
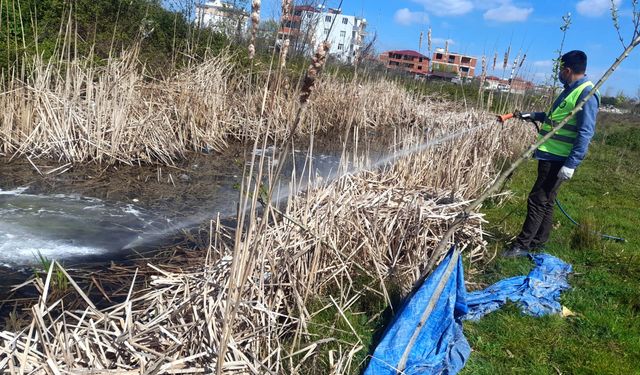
499,182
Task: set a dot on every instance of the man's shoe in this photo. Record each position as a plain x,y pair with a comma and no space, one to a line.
515,251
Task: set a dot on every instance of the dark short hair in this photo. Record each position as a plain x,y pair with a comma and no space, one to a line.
575,60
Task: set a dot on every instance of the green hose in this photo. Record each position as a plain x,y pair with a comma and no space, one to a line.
604,236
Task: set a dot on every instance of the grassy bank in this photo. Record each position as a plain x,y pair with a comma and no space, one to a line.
604,336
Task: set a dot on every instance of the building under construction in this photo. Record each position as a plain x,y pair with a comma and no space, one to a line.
406,60
453,64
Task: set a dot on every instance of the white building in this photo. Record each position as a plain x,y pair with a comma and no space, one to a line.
342,32
222,16
314,25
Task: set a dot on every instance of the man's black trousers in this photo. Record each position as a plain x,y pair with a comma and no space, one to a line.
539,222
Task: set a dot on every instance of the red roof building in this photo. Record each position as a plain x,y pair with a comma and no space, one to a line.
406,60
519,84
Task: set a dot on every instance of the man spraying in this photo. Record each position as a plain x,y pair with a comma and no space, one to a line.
559,156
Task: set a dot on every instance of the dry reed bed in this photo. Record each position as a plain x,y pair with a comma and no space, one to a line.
252,299
78,111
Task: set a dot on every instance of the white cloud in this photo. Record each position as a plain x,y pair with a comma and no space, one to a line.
490,4
495,10
508,13
406,17
540,76
446,7
440,42
595,8
543,64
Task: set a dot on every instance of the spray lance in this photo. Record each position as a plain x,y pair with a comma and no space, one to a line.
526,116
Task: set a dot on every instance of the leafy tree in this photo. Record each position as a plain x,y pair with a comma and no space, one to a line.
104,27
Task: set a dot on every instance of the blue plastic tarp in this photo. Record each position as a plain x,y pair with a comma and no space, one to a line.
536,294
438,346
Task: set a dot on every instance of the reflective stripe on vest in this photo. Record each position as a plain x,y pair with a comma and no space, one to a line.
561,142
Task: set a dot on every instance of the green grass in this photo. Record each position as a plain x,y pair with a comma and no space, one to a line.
604,337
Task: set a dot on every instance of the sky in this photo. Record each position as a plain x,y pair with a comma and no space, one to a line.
478,27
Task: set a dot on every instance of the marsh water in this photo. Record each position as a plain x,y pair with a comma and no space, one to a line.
93,214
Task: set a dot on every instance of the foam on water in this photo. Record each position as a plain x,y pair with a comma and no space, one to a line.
18,247
16,191
64,227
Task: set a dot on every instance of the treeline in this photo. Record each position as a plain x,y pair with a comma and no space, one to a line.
623,102
167,38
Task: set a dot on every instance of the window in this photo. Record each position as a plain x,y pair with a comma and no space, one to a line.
345,21
343,34
452,59
466,60
353,35
419,67
438,56
326,31
340,47
464,69
327,19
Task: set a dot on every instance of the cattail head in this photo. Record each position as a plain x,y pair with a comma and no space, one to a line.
495,60
283,52
513,67
359,41
429,39
317,64
524,57
484,65
255,23
506,58
286,8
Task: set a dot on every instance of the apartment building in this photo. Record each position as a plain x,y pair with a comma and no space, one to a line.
406,60
307,26
460,65
222,16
